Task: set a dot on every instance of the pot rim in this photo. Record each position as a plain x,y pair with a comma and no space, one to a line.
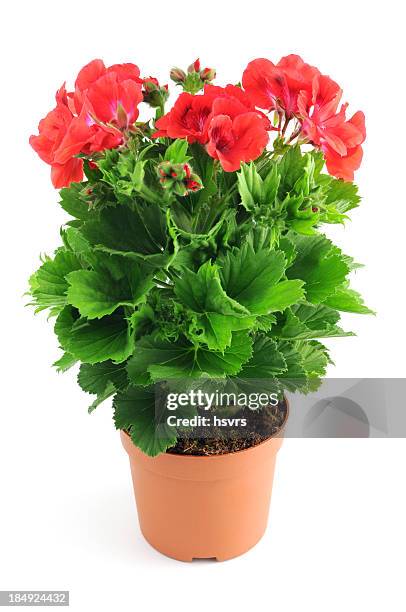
277,434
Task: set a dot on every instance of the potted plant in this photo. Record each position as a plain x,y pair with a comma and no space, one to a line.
194,251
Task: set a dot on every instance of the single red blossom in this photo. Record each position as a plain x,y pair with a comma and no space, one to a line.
105,102
94,70
237,140
325,127
52,130
233,101
86,136
277,86
114,101
189,118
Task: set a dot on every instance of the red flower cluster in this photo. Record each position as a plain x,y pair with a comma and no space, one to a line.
298,90
223,119
92,118
101,111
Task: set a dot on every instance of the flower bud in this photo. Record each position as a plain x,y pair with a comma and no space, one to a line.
154,94
195,67
207,74
178,75
150,84
178,178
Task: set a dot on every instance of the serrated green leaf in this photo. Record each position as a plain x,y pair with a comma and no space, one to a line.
134,232
251,278
100,339
135,412
291,169
73,203
96,293
76,241
64,363
319,265
342,194
49,285
95,378
266,360
156,359
314,357
218,314
108,392
63,325
347,300
307,321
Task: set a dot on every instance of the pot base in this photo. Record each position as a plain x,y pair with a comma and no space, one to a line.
187,557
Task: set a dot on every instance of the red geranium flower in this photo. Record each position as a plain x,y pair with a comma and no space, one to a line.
96,69
193,118
237,140
52,130
105,101
233,101
86,136
340,139
189,118
273,86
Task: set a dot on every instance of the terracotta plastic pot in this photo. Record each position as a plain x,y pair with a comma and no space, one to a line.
203,507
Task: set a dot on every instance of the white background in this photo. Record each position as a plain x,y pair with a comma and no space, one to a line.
336,538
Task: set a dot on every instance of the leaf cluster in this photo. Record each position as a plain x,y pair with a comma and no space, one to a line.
235,281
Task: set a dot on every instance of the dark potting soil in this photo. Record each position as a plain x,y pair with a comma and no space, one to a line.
261,425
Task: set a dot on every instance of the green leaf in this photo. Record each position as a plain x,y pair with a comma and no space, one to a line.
251,278
135,232
342,194
320,265
255,191
76,241
266,360
314,357
249,186
177,152
294,377
100,339
285,294
73,202
96,293
63,326
347,300
65,362
109,391
102,379
156,359
291,169
219,315
134,411
306,321
95,378
49,285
